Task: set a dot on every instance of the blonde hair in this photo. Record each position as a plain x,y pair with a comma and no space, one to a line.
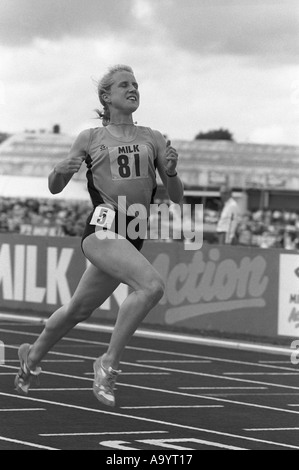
104,86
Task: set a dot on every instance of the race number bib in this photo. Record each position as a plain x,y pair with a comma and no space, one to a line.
129,162
103,217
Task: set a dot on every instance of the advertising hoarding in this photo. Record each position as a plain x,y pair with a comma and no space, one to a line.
217,288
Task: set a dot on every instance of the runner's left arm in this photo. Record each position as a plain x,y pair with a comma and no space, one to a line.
167,160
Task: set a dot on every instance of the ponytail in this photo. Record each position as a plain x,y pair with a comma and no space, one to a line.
104,115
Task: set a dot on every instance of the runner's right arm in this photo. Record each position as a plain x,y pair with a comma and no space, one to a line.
63,172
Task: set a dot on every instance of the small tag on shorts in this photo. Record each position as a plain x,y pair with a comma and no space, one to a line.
103,217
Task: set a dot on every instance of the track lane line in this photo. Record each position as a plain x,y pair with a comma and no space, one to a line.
223,388
3,410
171,370
144,419
271,429
260,373
200,374
154,334
161,407
173,392
167,369
158,351
169,443
114,433
25,443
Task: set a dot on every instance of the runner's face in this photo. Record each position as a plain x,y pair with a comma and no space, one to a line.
124,94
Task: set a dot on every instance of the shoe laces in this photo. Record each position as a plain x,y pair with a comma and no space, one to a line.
25,373
110,376
26,377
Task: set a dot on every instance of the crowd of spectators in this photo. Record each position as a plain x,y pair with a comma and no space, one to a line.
264,229
43,217
269,229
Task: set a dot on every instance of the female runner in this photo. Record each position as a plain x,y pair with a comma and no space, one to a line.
121,160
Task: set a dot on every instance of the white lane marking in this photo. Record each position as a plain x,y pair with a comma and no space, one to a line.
157,407
169,443
260,373
164,391
136,373
121,433
224,377
271,429
156,351
201,374
21,409
25,443
145,373
154,334
250,394
223,388
144,419
14,323
12,361
174,361
294,405
73,389
172,392
119,445
179,393
222,400
275,362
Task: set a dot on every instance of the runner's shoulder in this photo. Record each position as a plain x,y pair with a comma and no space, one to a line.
160,139
82,140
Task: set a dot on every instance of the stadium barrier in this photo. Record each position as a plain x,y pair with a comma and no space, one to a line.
218,288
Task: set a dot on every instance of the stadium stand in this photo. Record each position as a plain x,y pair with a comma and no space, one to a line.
265,179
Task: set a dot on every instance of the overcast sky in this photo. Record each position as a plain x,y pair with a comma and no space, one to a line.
200,64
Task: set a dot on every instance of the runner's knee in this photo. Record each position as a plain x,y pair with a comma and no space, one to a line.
154,288
79,311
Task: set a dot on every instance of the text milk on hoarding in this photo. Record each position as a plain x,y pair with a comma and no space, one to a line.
27,280
288,306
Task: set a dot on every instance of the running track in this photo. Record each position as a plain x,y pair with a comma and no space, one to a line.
173,396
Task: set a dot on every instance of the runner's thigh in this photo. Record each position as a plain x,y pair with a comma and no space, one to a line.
121,260
94,288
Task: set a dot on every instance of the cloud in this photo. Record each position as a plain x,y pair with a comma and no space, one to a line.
23,21
255,28
262,29
201,64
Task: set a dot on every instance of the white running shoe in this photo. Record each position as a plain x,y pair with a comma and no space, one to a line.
25,376
104,382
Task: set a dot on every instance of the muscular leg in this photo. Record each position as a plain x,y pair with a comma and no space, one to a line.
93,289
121,260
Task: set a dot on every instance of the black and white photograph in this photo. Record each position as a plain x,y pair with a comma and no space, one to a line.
149,227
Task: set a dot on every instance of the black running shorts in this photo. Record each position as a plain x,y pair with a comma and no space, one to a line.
119,226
